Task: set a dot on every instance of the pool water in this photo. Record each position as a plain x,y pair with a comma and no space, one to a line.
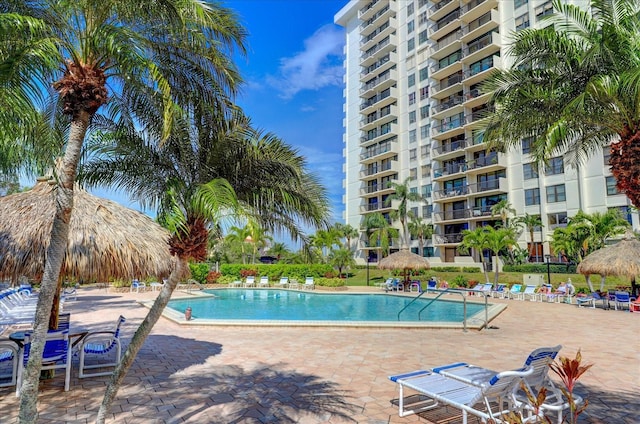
286,305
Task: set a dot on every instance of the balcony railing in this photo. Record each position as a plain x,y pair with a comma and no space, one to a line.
375,49
448,104
448,82
375,99
378,150
446,41
452,146
482,162
376,81
450,169
448,238
373,35
444,21
437,6
376,65
479,44
471,5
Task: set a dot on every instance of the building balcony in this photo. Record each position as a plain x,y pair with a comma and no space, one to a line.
378,135
442,148
450,194
448,170
370,10
476,8
474,98
380,49
445,25
384,150
449,128
443,239
378,189
382,170
493,185
375,207
379,83
379,101
446,105
382,64
479,71
451,215
481,25
486,45
445,46
440,9
486,164
379,118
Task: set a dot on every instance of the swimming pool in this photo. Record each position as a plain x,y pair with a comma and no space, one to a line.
288,307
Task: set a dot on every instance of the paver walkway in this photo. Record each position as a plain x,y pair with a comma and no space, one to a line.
324,375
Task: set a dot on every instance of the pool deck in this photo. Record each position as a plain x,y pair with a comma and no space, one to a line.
200,374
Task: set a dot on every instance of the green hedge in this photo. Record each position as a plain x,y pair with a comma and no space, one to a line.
541,269
446,268
275,271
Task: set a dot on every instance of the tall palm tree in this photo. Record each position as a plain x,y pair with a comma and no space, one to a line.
238,235
324,240
504,210
530,222
348,232
477,240
380,233
258,238
403,194
573,88
93,53
420,230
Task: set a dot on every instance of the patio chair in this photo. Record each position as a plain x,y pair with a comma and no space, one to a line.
56,355
530,291
435,389
97,345
9,354
591,299
250,281
236,283
622,299
264,281
386,284
514,291
308,284
432,284
484,289
499,291
137,285
283,283
634,306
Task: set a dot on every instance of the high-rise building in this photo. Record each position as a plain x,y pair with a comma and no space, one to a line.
413,110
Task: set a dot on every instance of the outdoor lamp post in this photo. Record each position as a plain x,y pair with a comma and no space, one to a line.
548,258
368,260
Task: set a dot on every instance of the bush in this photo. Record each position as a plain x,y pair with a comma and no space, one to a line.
471,269
248,272
447,269
329,282
459,281
541,268
212,277
275,271
199,271
118,283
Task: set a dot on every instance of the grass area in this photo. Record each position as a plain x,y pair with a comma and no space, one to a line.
358,277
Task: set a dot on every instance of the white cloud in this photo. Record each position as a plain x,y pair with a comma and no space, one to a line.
319,65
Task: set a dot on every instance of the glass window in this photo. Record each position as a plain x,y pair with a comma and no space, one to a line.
625,212
555,166
426,190
413,173
411,80
544,9
424,73
526,145
413,154
556,194
424,92
612,190
529,170
422,18
412,116
410,27
424,112
532,196
522,22
518,3
424,131
423,37
424,151
411,44
412,98
414,211
412,136
410,9
557,220
606,153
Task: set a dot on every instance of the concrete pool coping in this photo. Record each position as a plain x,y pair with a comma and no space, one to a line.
474,322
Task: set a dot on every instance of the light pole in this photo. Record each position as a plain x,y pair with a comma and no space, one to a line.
548,258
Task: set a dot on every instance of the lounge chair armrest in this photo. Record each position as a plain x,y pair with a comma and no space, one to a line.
98,335
450,366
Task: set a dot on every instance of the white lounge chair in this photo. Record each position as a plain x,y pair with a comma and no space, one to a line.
264,281
56,355
250,281
137,285
308,284
529,292
514,291
98,345
284,282
436,389
9,353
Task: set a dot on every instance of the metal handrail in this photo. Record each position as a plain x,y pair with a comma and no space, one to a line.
412,300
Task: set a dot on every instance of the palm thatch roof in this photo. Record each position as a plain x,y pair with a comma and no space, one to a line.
106,240
404,259
622,258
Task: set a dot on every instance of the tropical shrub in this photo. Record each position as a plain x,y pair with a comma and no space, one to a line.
199,271
448,269
459,281
212,277
329,282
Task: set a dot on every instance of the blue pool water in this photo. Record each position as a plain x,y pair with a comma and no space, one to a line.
285,305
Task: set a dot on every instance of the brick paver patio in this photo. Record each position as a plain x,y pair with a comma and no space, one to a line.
325,375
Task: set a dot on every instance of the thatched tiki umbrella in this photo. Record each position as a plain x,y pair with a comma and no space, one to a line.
404,260
106,240
622,258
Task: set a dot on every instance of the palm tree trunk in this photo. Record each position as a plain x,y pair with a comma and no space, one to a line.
51,276
139,338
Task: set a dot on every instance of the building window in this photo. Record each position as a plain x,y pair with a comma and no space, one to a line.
413,190
557,220
411,44
424,73
424,112
410,9
424,151
423,37
413,154
544,9
411,80
413,174
412,136
532,196
427,211
522,22
625,212
555,166
556,194
412,116
424,131
526,145
422,18
414,211
612,190
530,171
426,190
410,27
518,3
412,98
424,92
606,153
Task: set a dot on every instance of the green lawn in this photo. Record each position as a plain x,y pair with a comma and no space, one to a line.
358,277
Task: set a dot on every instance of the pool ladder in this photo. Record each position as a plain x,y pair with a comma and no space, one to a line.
462,293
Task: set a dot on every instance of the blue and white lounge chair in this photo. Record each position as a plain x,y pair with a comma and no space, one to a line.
250,281
436,389
432,284
309,284
499,291
137,285
514,291
100,344
591,299
264,281
622,299
529,292
283,283
56,355
9,358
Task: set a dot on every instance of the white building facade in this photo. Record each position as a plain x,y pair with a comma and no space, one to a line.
412,110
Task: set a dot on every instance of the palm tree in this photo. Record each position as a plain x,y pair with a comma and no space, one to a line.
498,240
477,240
348,232
141,48
420,230
258,238
341,258
530,222
573,88
324,240
504,210
379,232
279,250
404,195
239,235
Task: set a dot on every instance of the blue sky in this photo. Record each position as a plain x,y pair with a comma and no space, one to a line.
293,82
